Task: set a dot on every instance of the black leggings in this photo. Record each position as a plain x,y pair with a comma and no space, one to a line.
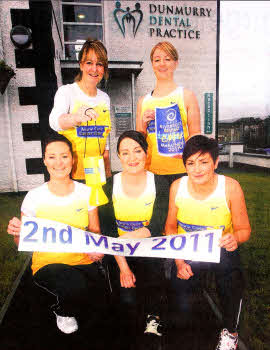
229,284
76,288
149,275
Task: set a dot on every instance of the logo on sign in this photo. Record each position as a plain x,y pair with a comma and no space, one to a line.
128,17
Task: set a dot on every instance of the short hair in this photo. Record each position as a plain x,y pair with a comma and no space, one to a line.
57,138
100,51
201,144
166,47
134,135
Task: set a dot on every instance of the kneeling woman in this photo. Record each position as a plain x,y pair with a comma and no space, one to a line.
72,277
137,214
204,200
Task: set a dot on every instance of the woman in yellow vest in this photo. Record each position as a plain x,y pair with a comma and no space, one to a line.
137,215
204,200
73,278
81,111
168,115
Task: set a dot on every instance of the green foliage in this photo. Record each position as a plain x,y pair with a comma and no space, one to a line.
255,255
11,261
5,67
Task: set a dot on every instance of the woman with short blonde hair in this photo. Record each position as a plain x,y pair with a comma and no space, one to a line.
167,94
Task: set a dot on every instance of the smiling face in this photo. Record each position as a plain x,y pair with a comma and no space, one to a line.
163,65
58,160
132,156
201,168
92,68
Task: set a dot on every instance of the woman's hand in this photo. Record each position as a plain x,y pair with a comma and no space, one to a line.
83,115
228,242
148,115
14,227
184,270
127,278
96,256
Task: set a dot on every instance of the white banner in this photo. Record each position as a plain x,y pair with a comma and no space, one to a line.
51,236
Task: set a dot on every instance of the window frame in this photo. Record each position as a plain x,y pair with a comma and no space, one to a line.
101,24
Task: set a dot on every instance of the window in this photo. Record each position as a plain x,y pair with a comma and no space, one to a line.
81,19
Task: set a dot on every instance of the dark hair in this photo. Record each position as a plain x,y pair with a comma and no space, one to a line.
202,144
57,138
100,51
133,135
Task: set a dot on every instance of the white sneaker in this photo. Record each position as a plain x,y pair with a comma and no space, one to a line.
152,325
227,341
66,324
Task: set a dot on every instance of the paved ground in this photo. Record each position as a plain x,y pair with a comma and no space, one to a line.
29,325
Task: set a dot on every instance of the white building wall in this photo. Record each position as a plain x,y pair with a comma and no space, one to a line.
14,150
197,66
13,115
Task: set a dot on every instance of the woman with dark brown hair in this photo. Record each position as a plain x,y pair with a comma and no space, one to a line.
74,279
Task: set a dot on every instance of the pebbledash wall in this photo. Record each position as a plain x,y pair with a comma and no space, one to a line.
130,30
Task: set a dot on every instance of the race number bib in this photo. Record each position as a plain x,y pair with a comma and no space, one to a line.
169,131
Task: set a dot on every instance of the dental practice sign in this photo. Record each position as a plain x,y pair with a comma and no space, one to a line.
51,236
176,21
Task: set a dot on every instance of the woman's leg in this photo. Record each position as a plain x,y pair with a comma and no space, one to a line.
180,296
76,288
230,286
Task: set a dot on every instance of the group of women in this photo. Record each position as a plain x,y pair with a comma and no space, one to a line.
140,197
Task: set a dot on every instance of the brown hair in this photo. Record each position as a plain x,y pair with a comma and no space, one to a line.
100,51
166,47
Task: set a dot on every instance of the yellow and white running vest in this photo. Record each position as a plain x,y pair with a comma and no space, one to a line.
71,210
133,213
88,140
157,163
198,215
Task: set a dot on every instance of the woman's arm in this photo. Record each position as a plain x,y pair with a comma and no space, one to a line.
60,117
71,120
193,113
184,270
107,164
127,277
142,120
160,210
94,226
14,228
241,227
93,221
171,222
139,233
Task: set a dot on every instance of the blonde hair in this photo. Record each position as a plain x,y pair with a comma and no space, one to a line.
166,47
100,51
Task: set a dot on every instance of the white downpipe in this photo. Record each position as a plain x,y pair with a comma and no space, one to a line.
8,123
133,100
10,143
